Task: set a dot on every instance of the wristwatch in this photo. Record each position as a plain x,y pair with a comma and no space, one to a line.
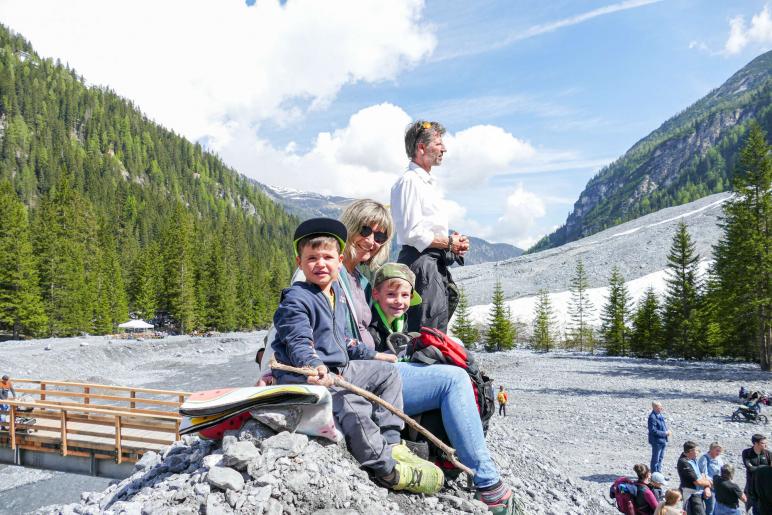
450,243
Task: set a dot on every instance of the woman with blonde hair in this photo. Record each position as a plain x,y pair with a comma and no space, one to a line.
671,505
424,388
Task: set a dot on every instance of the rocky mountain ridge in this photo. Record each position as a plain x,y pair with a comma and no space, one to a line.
691,155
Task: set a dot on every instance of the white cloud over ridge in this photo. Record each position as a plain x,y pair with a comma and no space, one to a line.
223,64
741,35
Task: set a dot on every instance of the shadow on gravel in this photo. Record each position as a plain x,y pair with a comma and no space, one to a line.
680,372
600,478
666,392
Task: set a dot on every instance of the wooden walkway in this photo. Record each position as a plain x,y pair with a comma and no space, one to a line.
93,421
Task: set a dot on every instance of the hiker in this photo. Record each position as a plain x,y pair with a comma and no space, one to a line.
307,335
671,505
424,387
694,485
658,436
645,502
754,458
421,224
6,389
658,484
727,493
502,398
710,465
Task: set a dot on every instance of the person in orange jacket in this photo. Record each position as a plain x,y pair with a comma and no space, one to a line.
502,398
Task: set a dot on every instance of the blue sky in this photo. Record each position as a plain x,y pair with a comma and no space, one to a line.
536,95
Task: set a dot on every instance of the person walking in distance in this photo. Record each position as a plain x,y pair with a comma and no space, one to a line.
503,399
421,225
658,436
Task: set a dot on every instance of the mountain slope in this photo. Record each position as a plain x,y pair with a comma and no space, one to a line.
306,204
689,156
639,248
137,190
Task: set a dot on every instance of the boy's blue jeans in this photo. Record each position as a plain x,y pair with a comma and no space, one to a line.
445,387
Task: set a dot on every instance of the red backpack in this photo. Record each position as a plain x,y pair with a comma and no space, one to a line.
620,491
433,347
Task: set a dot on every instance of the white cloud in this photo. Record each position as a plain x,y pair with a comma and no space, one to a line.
209,69
740,35
521,212
477,153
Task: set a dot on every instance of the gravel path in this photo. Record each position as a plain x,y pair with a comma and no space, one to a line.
575,421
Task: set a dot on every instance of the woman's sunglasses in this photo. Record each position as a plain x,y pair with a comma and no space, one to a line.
378,236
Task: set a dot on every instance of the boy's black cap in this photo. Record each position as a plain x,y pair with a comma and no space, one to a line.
320,227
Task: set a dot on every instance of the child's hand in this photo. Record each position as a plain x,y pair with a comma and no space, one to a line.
391,358
324,378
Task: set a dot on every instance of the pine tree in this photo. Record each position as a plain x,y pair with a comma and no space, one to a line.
145,282
179,296
580,309
501,329
646,337
65,244
21,308
463,327
544,330
615,315
743,257
681,304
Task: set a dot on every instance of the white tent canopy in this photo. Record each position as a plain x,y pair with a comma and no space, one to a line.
136,324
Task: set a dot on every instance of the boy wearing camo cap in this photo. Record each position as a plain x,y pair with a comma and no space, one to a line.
393,293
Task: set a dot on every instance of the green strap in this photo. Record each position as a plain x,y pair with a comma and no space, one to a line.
396,325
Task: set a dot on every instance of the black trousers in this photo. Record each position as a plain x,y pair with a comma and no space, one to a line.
434,283
503,409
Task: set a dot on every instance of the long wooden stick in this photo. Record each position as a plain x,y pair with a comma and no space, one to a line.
450,452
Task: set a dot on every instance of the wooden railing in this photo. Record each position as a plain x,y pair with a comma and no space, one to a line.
106,424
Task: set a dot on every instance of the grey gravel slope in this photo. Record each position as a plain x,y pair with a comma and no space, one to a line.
638,247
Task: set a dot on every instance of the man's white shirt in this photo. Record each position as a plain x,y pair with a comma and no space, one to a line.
417,208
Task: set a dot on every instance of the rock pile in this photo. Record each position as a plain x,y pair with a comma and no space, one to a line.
257,471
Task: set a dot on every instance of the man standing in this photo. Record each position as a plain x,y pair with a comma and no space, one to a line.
658,436
710,465
694,485
502,398
421,226
755,458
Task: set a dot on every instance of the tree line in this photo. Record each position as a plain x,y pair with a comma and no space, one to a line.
104,213
726,312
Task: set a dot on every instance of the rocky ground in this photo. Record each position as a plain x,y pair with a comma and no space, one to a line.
575,422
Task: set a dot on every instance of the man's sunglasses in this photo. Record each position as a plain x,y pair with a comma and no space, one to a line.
378,236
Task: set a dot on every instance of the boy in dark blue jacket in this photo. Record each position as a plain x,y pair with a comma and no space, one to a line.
310,324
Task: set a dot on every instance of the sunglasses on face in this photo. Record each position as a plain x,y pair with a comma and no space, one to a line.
378,236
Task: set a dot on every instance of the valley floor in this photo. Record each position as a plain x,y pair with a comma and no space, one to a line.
574,422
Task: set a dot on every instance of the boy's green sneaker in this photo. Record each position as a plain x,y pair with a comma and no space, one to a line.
415,474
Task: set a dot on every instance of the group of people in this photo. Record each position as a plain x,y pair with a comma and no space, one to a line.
706,483
344,306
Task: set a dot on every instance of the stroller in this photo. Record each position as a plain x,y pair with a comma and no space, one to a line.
751,410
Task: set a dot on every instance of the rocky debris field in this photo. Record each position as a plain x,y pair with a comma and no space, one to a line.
575,422
638,248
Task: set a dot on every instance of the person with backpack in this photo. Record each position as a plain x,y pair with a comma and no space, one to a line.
425,388
503,399
634,496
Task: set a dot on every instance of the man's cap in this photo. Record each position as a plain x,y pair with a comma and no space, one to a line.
320,227
659,478
397,271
